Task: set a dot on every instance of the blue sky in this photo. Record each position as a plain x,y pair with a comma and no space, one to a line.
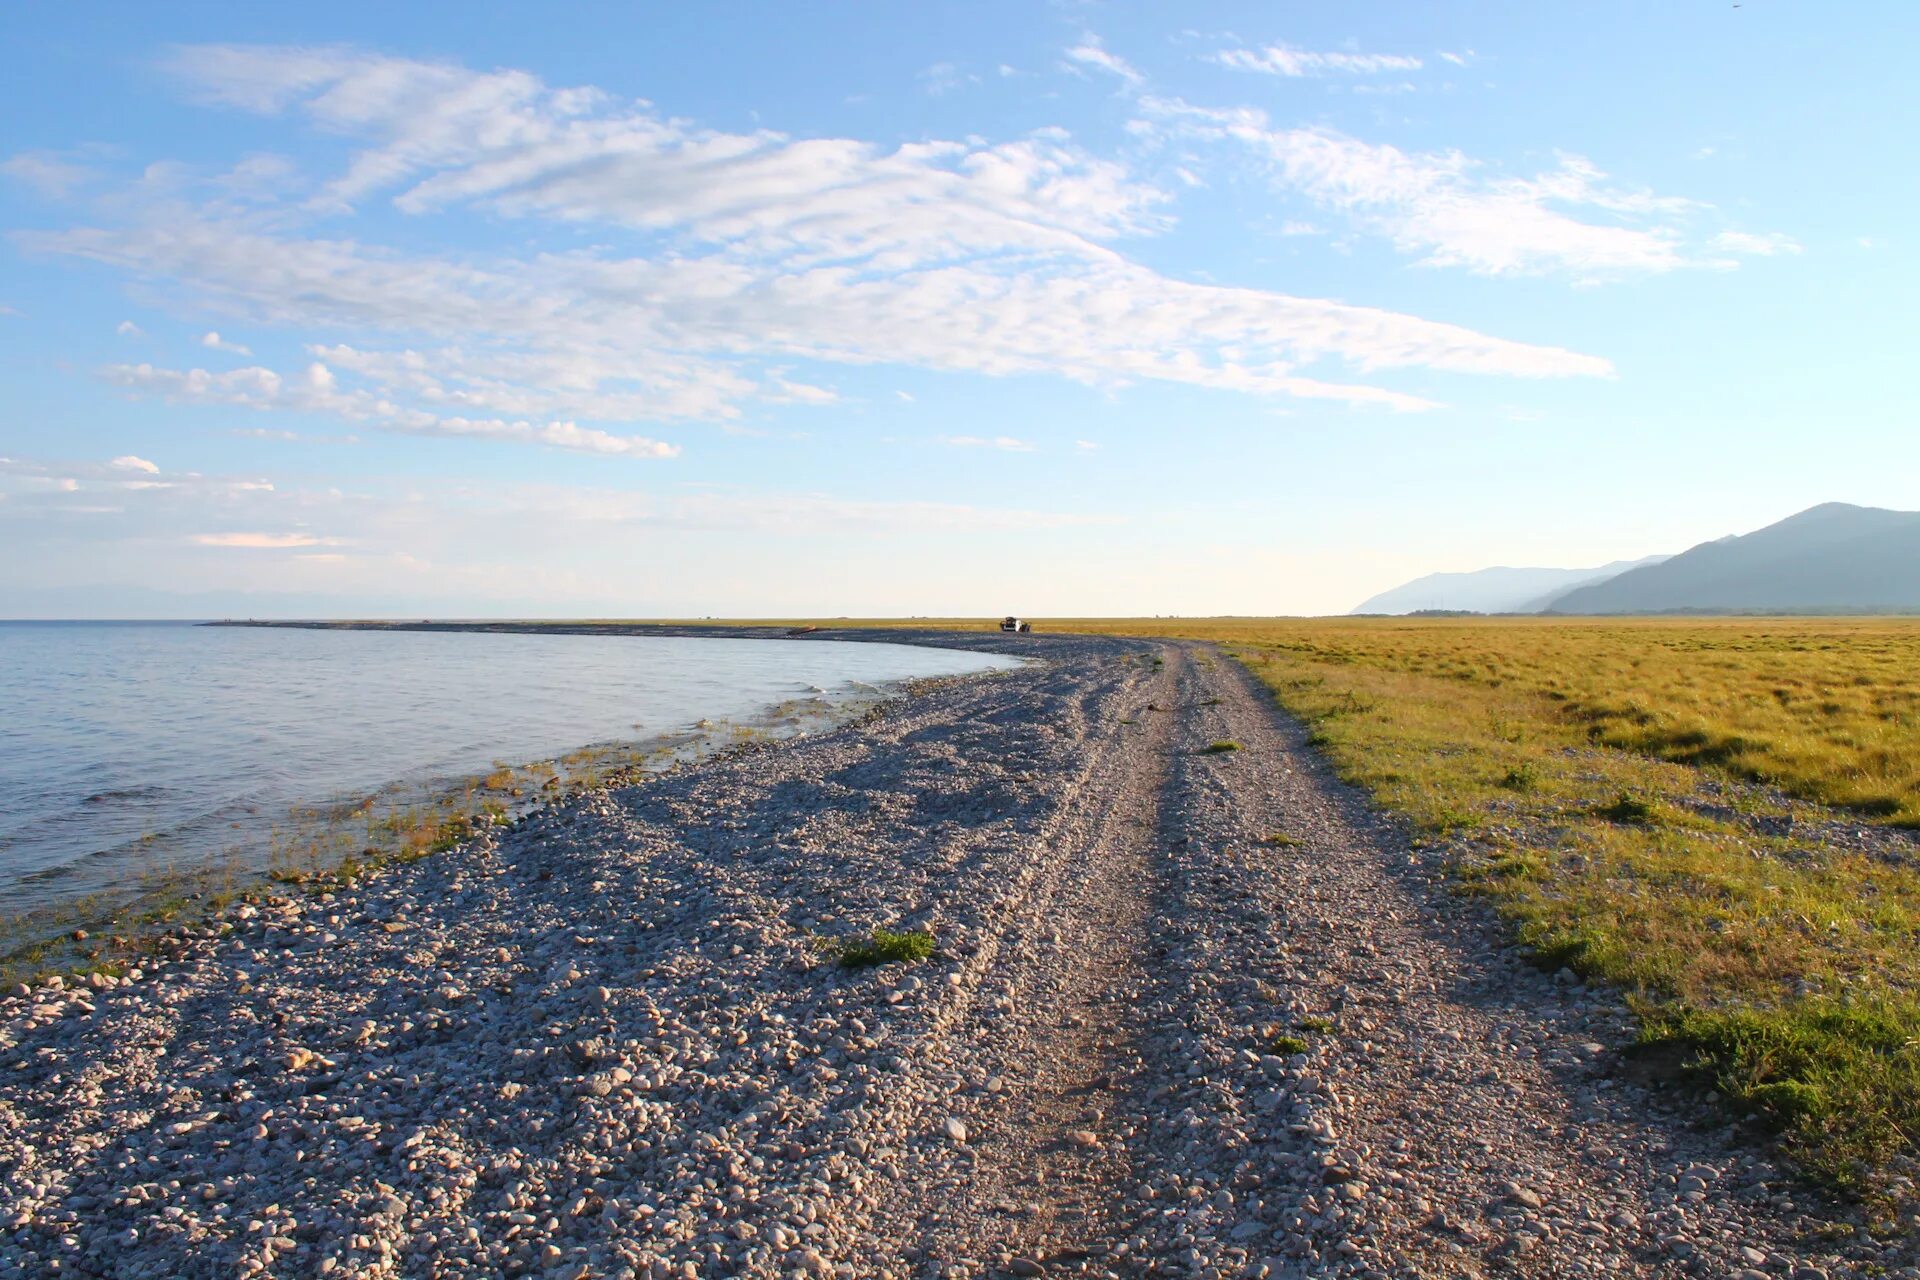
1073,309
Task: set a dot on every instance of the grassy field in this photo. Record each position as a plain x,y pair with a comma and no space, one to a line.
1664,804
1671,806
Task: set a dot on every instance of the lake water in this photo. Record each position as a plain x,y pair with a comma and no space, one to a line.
129,747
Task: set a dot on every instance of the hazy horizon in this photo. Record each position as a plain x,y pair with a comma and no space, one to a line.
941,311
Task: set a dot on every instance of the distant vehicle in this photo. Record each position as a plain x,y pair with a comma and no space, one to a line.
1015,624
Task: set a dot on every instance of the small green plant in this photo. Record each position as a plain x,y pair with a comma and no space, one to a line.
1221,747
1281,840
1522,777
1287,1046
1316,1026
884,946
1210,702
1627,809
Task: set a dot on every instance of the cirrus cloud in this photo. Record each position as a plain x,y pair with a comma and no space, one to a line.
1285,60
316,390
1452,211
726,257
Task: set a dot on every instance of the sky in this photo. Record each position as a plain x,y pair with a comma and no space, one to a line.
637,310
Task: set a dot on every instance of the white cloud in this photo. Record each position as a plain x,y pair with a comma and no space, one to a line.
1457,59
944,77
1086,446
1449,210
1091,53
905,395
264,541
1285,60
215,342
47,172
315,391
1761,245
115,474
757,250
128,329
1007,444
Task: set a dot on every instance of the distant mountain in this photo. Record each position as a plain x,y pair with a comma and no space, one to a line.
1830,558
1500,590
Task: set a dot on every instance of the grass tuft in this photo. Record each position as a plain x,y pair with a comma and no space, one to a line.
884,946
1625,808
1221,747
1839,1080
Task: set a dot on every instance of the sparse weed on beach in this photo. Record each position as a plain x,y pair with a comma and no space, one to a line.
883,946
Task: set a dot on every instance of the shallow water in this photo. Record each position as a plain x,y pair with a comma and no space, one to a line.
126,748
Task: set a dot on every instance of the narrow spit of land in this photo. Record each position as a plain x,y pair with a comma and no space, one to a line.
1194,1011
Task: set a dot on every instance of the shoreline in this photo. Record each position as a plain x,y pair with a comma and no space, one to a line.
322,840
1152,1039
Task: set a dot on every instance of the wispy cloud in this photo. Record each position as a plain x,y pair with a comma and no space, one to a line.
1090,52
1007,444
317,390
1286,60
264,541
128,329
944,77
47,172
994,258
1452,211
1758,245
131,462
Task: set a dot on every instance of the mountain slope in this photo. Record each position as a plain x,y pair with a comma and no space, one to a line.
1498,590
1831,557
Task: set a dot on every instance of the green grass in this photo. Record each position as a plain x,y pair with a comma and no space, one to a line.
1625,808
1287,1046
1222,747
883,946
1841,1079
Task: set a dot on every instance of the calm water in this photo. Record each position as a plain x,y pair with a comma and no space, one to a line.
128,746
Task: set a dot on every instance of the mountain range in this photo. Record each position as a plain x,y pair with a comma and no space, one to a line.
1833,558
1498,590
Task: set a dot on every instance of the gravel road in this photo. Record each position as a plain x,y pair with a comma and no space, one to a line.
1154,1040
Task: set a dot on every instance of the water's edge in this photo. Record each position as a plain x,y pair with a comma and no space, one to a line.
442,812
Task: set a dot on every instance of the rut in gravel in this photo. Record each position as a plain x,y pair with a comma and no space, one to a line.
1052,1174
